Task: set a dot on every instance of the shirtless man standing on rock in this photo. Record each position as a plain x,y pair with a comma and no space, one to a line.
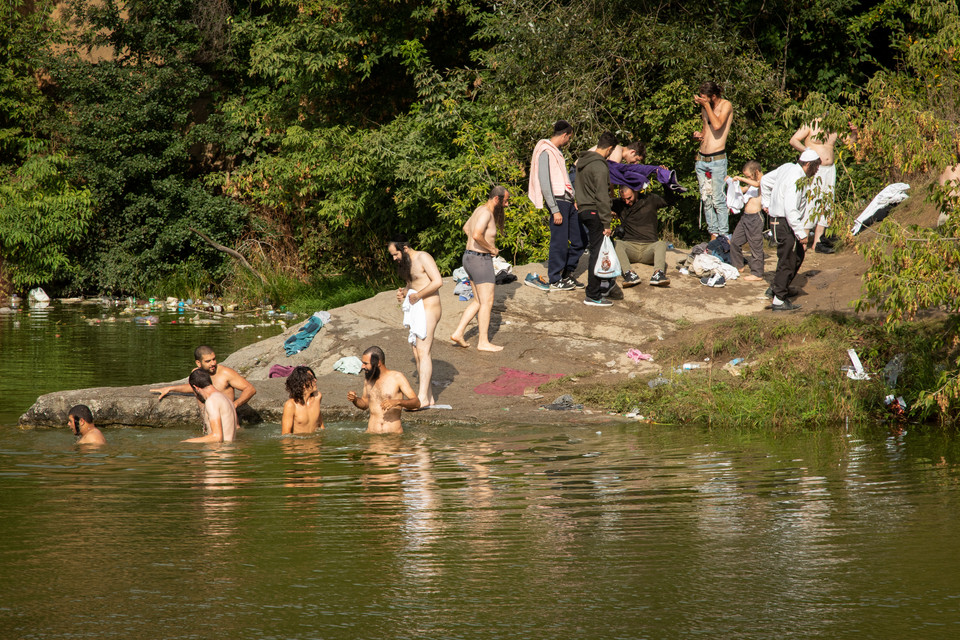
385,394
225,379
812,136
481,230
419,271
717,115
301,413
219,415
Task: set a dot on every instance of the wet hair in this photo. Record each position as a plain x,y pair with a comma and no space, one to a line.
710,89
81,411
201,351
403,267
500,193
561,126
200,379
607,140
376,359
297,382
750,166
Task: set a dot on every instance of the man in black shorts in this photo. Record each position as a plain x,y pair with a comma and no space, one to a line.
481,230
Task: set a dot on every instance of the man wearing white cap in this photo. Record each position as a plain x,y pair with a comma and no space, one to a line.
788,216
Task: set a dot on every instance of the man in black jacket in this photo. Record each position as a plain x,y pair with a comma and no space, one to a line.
594,204
641,240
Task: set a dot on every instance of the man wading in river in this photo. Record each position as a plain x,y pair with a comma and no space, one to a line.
385,394
219,416
80,421
225,379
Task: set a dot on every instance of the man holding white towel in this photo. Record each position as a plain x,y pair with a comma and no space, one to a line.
421,306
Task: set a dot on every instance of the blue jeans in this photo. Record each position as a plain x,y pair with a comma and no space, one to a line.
715,208
567,243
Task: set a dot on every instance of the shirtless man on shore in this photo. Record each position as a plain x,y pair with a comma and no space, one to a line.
301,413
219,414
385,394
419,271
950,180
481,230
80,421
225,379
812,136
717,115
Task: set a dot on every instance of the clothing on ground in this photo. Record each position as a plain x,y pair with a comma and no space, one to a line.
705,265
513,382
302,338
280,371
349,364
892,194
415,318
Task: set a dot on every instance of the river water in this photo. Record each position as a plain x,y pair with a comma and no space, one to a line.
485,532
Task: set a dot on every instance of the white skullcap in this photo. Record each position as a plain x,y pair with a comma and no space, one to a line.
809,155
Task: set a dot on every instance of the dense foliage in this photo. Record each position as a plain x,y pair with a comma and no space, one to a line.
305,133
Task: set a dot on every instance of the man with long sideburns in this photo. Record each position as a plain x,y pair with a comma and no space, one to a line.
481,230
717,114
419,271
385,393
550,186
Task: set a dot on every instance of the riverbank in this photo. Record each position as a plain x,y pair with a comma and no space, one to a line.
554,334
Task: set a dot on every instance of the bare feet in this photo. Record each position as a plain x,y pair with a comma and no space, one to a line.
459,342
752,278
488,347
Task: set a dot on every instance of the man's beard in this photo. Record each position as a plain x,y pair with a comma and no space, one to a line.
373,373
404,267
498,213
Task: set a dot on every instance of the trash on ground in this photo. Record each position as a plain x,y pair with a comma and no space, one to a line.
659,381
636,355
563,403
893,369
857,373
896,405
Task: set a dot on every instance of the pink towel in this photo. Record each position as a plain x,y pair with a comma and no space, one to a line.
280,371
513,382
559,180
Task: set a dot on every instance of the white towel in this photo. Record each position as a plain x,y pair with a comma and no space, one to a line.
414,317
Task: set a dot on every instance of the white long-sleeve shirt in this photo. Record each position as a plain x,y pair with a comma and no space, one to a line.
788,198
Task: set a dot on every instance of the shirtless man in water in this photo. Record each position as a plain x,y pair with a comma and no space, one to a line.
419,271
225,379
812,136
301,413
481,230
385,394
80,421
717,115
219,415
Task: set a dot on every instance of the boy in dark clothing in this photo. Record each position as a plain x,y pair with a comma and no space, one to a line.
593,202
641,238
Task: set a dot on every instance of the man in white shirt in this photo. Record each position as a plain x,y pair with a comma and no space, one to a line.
787,198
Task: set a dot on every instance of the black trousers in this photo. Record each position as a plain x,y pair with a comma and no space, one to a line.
591,220
789,257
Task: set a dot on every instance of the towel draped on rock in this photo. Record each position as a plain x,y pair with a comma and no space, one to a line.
302,338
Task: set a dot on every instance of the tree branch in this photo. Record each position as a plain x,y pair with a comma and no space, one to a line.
231,252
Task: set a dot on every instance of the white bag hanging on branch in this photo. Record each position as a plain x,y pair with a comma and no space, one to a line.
608,265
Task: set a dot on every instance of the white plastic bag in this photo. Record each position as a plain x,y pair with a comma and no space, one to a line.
608,266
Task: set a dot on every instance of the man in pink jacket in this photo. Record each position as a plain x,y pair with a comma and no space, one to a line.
550,187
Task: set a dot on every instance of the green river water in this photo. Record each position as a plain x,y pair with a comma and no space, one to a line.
475,532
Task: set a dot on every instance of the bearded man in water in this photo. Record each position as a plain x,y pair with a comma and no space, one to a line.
419,271
385,394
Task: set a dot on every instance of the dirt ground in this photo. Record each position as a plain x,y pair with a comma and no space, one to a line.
541,332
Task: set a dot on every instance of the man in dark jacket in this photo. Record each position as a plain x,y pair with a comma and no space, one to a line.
594,204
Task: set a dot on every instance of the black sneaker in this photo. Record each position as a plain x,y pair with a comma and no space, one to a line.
575,283
562,285
822,248
786,305
630,279
659,279
769,292
602,302
613,293
716,280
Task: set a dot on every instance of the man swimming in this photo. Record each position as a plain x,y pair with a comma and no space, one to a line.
419,271
225,379
219,414
301,413
385,394
80,421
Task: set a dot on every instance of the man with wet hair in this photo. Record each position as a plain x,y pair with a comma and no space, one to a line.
301,413
385,394
225,379
422,279
711,167
219,414
80,421
481,230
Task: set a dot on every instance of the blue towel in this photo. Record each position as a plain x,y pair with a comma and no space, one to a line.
302,339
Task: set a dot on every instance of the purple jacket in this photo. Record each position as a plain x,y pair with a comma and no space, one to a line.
638,176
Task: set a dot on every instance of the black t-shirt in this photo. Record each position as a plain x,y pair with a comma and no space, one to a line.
639,221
